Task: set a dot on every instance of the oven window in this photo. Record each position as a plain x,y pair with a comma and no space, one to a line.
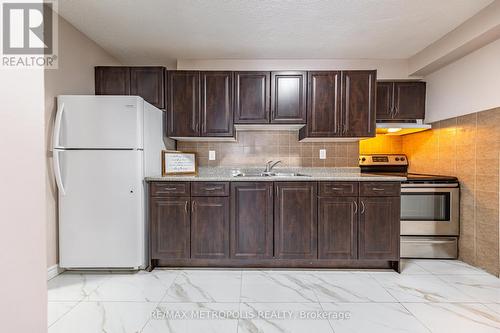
425,206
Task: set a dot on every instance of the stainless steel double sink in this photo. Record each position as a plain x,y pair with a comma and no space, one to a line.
270,174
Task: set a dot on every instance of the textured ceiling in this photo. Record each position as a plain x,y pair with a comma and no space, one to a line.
160,31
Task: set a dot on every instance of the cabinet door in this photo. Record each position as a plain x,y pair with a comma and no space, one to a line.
216,104
385,100
409,100
358,103
251,220
183,110
379,228
111,80
295,223
149,83
210,227
170,225
338,228
288,97
323,104
251,93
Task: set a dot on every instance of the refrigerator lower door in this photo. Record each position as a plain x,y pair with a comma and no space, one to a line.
101,212
99,122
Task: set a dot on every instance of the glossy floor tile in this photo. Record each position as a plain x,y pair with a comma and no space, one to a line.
428,296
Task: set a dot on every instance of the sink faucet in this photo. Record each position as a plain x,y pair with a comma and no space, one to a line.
270,165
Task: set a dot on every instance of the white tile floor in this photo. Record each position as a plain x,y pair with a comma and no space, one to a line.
429,296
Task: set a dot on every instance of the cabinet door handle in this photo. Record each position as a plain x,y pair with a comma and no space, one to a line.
170,188
355,207
186,206
213,188
336,188
362,207
193,206
377,189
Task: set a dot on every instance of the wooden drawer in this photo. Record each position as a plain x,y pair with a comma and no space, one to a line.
169,189
376,189
210,189
330,189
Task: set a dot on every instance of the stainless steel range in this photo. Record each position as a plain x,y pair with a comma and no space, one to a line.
429,208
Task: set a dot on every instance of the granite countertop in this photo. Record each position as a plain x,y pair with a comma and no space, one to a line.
310,174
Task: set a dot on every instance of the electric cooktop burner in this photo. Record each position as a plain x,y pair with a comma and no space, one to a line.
397,165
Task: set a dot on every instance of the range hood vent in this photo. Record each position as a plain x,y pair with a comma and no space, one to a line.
389,128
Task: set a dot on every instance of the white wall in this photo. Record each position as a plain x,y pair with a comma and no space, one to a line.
386,68
469,85
77,57
23,278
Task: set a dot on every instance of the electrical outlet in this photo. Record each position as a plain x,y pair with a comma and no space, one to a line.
322,154
211,155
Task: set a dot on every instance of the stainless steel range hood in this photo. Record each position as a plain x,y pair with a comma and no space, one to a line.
390,128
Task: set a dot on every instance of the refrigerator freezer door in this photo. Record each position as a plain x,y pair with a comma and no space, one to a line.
101,213
99,122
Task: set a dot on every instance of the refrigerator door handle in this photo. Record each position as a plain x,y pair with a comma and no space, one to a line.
57,172
57,126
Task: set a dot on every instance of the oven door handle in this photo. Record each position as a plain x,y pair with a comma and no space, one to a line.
449,185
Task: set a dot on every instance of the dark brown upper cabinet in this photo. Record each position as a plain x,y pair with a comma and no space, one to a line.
379,220
251,220
217,104
323,105
183,111
288,97
251,97
210,227
358,103
400,100
295,224
385,102
112,80
147,82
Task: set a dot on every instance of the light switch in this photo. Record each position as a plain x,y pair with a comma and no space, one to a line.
211,155
322,154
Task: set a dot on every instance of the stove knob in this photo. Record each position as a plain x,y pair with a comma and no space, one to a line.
363,159
397,159
402,158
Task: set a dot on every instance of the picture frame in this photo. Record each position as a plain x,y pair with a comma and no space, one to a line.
178,163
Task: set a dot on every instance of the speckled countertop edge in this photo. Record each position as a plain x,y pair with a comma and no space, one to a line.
314,174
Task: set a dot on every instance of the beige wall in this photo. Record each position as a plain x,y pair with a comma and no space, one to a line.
255,148
468,85
23,279
469,148
77,57
386,68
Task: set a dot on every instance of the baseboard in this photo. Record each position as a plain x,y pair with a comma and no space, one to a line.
54,271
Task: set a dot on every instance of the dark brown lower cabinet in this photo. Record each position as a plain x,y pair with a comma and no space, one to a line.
379,222
295,224
275,224
170,227
338,228
209,227
251,220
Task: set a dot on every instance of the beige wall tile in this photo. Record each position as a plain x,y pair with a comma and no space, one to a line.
468,147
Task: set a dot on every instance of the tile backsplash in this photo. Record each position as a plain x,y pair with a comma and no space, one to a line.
467,147
255,148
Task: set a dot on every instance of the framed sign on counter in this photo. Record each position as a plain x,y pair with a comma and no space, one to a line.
178,163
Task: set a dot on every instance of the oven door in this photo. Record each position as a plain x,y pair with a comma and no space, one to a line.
430,209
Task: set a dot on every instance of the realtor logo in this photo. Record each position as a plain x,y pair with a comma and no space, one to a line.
28,34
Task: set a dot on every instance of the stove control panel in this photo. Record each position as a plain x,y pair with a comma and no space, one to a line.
377,159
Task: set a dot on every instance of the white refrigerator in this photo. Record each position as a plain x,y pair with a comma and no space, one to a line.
103,147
